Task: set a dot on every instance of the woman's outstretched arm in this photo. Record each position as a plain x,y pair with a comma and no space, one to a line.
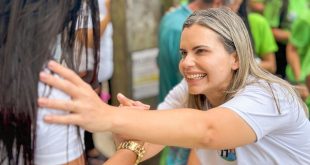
216,128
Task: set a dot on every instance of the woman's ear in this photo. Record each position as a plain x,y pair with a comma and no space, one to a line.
235,61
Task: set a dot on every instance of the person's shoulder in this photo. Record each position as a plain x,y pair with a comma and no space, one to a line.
178,14
256,85
304,18
258,18
50,92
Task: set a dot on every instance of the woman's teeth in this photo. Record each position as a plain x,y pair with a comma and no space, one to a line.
196,76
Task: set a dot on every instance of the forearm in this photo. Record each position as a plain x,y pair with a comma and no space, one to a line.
151,150
269,62
268,66
179,126
280,34
293,60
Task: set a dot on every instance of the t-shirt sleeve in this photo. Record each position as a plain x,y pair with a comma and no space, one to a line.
268,41
55,143
300,33
176,98
257,107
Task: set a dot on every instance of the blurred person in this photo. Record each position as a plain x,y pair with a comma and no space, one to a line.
257,6
263,41
236,111
298,55
280,15
29,33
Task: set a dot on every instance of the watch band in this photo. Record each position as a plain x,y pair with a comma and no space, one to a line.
135,147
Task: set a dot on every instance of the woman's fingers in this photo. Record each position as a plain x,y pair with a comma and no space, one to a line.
140,104
66,73
124,101
63,119
65,105
59,83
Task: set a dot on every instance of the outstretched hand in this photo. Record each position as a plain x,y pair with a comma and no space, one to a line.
85,107
126,102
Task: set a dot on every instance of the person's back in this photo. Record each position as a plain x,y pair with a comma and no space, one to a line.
56,144
28,38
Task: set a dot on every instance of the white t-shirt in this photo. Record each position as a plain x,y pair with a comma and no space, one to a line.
176,98
281,138
105,69
55,143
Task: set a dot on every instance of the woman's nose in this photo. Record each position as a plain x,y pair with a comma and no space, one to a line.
188,61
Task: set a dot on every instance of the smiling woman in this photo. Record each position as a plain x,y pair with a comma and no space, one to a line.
202,51
243,113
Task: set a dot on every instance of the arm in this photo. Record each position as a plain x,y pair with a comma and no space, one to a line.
151,149
280,34
293,60
209,129
269,62
52,139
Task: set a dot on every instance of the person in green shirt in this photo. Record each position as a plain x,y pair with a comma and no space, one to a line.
280,14
264,42
298,55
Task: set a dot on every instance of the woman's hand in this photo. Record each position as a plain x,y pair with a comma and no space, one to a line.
125,102
85,107
303,91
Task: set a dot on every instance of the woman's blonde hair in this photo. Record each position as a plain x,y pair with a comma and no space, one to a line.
235,37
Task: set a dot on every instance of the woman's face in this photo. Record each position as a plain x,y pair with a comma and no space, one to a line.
205,64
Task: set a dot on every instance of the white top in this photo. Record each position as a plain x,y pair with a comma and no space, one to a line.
55,144
281,138
105,70
176,98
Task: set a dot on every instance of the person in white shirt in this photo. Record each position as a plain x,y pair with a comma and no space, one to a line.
28,39
235,110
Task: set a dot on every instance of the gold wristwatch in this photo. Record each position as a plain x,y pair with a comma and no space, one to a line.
135,147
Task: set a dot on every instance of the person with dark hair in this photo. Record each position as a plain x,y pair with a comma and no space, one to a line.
29,33
235,109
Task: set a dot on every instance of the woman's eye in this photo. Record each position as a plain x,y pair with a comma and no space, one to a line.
183,53
200,51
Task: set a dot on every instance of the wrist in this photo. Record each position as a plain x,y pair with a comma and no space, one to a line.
134,147
107,117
